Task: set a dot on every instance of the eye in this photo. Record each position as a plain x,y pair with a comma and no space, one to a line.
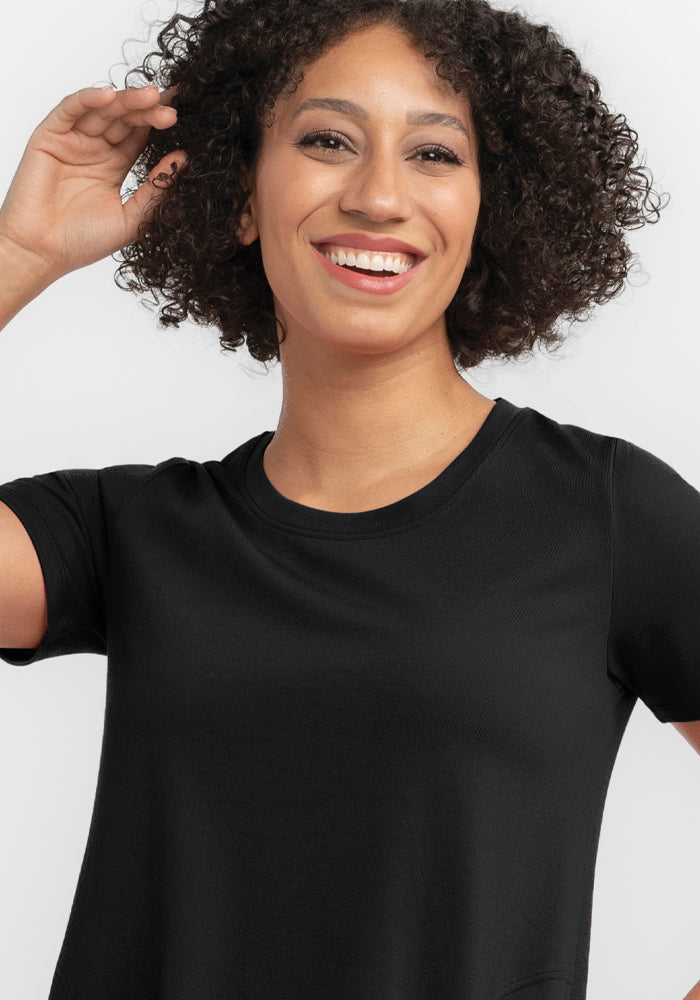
442,154
447,155
312,138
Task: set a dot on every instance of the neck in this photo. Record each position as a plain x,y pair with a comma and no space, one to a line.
350,423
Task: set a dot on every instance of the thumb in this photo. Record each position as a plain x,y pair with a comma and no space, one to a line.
141,206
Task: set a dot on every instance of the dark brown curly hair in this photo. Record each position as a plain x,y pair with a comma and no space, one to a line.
560,181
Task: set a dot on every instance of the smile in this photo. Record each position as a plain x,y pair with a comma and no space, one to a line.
368,261
368,271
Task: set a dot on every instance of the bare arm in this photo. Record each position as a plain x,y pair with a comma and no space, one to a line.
691,732
23,610
64,211
64,208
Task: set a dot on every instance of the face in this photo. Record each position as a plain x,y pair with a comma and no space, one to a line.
353,158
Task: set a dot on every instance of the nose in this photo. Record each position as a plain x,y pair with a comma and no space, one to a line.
377,188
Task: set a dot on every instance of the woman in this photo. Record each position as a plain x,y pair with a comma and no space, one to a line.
367,675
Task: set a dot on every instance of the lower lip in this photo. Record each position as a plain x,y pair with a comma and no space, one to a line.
365,282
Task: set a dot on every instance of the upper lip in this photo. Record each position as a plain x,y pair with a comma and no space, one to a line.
378,244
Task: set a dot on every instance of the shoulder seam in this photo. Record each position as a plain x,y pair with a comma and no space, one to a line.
158,472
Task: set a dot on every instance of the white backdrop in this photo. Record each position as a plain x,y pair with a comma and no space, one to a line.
89,381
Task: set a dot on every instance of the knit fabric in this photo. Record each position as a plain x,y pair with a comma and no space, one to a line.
361,756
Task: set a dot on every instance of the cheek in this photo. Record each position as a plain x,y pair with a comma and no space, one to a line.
461,206
451,208
286,200
462,215
288,197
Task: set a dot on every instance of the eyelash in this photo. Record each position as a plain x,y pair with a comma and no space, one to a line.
312,137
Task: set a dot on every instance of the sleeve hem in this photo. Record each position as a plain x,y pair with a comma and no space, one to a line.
49,559
675,713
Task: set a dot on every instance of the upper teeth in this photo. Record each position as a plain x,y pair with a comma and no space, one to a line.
397,262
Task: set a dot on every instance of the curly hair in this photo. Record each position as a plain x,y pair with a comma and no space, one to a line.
560,180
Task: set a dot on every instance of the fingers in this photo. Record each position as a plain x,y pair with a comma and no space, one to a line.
138,107
159,117
94,111
123,118
140,206
72,108
131,133
167,95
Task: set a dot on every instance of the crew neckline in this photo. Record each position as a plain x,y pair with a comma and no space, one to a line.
273,506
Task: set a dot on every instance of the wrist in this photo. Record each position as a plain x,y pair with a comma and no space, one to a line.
24,262
23,276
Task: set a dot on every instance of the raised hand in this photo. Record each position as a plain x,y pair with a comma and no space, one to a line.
64,209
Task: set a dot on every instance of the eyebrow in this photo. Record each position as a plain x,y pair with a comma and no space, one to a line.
355,111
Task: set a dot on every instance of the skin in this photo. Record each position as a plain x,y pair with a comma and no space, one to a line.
373,407
691,732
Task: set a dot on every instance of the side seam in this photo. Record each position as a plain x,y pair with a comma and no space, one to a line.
615,680
64,982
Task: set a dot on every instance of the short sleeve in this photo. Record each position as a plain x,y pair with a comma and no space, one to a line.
69,516
654,638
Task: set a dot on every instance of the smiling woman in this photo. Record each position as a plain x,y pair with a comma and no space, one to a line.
383,171
507,111
368,674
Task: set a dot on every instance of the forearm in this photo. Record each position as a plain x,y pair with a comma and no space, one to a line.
694,993
23,276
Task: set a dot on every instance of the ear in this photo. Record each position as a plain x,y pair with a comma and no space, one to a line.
247,228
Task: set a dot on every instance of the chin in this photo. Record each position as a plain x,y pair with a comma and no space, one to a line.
365,340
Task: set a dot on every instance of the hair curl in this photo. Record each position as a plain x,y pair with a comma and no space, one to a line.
560,183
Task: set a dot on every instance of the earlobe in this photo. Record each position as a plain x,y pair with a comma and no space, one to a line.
247,230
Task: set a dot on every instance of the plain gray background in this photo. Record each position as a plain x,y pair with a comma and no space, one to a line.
89,381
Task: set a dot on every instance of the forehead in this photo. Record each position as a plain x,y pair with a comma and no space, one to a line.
378,63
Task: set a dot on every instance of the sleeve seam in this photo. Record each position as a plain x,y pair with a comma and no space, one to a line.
156,473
